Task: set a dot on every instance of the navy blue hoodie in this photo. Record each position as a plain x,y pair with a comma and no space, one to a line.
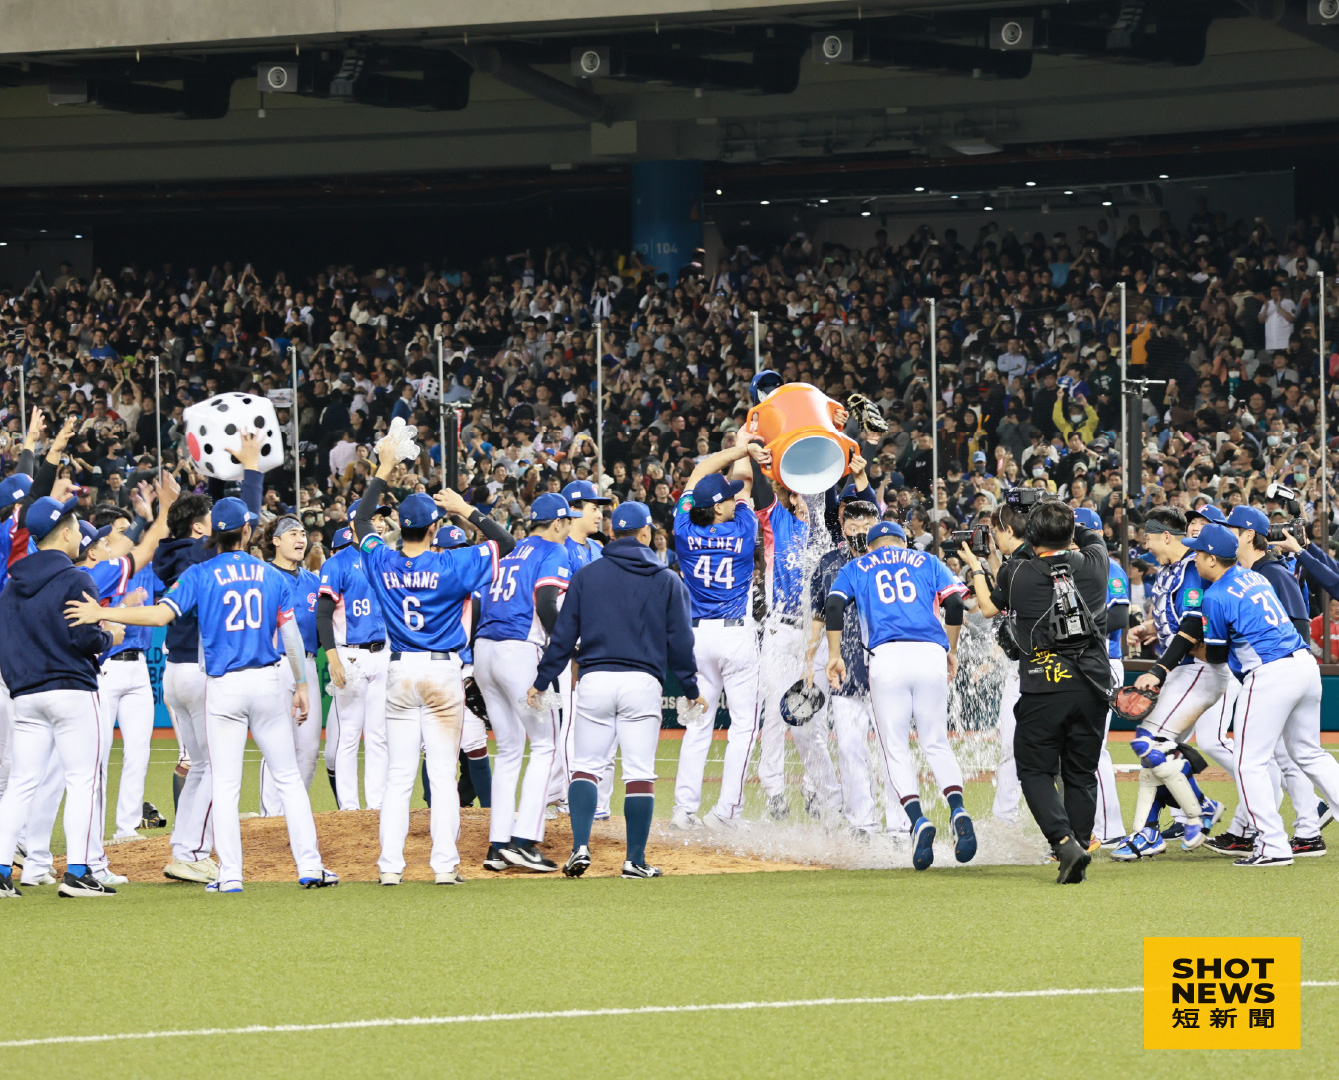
39,650
170,561
630,613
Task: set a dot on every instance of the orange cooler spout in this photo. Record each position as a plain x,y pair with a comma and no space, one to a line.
796,423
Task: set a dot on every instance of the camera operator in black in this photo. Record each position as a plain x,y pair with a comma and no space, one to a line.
1063,702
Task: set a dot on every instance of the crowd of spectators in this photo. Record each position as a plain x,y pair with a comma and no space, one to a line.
1224,313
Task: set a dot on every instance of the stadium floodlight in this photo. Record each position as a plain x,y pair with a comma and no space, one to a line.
1322,12
834,47
277,78
1008,34
590,62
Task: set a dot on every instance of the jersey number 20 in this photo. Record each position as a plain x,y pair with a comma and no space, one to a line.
895,587
243,611
724,576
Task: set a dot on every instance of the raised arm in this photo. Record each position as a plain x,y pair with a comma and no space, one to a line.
721,460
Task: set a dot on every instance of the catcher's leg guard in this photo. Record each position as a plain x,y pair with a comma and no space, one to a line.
1143,803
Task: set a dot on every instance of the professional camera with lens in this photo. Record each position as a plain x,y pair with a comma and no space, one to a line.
1024,498
977,540
1288,496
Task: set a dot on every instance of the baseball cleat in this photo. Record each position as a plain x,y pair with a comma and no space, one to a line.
1139,846
1229,843
9,889
685,819
527,857
45,879
1308,846
811,805
451,877
20,853
964,843
248,815
1325,812
602,815
223,887
110,877
551,812
923,835
1094,845
714,820
1212,810
1174,831
202,872
777,807
860,833
494,860
151,818
87,885
1263,860
1111,842
389,878
577,863
1074,859
128,839
1195,836
326,879
640,870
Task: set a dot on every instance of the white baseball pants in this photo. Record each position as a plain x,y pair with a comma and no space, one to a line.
359,715
851,719
127,699
306,739
1109,822
6,729
727,660
255,699
909,680
784,645
1280,701
425,701
505,671
67,725
1008,791
1185,702
184,689
618,708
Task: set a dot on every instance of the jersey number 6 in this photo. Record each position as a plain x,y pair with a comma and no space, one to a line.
413,618
895,587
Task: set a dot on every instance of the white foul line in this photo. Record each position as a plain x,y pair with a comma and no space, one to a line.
579,1014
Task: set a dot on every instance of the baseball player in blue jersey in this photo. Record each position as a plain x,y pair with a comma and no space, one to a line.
13,490
1109,825
898,592
239,602
1279,699
715,531
517,615
285,540
352,630
422,594
588,507
1189,688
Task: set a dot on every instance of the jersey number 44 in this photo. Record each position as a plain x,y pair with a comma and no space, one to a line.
724,575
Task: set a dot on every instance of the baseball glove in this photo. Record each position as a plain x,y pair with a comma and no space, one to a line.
1132,704
151,818
474,699
867,414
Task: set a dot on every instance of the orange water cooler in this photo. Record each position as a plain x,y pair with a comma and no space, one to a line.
809,453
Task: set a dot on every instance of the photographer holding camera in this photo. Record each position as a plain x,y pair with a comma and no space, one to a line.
1056,598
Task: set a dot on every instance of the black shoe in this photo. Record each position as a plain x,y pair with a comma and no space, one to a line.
527,857
777,807
1230,844
87,885
1262,860
1074,859
1174,831
1325,813
640,870
578,862
9,888
1307,846
494,860
150,818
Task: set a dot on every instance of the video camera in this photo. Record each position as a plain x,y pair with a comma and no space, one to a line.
976,538
1022,498
1288,496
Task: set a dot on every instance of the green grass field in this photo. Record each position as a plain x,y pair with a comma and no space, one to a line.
165,958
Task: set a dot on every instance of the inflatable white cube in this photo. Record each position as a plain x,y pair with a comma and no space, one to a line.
215,426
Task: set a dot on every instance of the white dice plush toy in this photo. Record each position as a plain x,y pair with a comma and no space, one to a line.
430,389
215,426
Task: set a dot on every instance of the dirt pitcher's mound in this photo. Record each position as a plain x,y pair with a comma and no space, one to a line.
350,847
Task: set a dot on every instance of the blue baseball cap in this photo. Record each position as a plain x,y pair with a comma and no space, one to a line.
383,509
343,538
1088,518
631,516
1248,517
45,513
87,535
885,528
231,514
850,491
550,507
418,511
1209,512
450,536
764,383
584,491
1214,539
715,488
15,489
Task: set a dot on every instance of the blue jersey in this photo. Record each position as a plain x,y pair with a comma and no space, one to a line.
111,576
1177,592
358,619
897,592
138,637
830,564
7,528
239,602
579,555
1242,611
508,612
306,587
784,538
1118,593
717,561
422,598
